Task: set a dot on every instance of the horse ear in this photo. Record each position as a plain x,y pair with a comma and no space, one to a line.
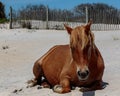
88,26
69,29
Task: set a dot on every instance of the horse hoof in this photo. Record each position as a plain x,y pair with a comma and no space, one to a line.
45,85
58,89
31,83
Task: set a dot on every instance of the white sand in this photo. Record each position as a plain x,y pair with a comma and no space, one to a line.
26,46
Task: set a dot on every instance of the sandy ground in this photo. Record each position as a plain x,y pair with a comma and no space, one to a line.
20,48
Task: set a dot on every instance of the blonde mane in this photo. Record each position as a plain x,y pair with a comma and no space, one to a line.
79,36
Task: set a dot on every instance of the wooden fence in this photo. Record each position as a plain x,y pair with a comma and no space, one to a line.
103,21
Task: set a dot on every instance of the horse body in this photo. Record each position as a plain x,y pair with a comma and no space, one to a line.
54,62
78,64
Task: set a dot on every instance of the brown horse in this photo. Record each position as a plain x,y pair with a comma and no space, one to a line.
77,64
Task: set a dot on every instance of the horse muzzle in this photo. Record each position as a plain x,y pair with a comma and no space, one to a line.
83,75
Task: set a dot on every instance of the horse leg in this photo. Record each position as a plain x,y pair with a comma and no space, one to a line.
38,73
31,83
64,86
45,83
97,85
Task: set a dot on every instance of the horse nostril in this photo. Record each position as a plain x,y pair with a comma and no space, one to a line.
79,73
87,72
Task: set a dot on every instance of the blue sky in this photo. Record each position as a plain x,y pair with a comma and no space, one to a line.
62,4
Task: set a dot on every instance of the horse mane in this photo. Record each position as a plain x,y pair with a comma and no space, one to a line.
78,36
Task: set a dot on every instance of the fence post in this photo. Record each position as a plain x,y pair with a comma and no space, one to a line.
10,26
47,17
86,11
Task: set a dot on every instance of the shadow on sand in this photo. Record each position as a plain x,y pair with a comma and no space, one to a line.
92,93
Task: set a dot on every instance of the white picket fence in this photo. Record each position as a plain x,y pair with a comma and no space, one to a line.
102,22
36,24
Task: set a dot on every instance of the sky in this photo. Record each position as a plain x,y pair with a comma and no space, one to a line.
59,4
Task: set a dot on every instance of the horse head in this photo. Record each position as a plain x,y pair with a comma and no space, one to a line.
81,45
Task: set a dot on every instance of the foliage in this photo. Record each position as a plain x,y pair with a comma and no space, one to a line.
98,12
4,20
34,12
2,11
39,13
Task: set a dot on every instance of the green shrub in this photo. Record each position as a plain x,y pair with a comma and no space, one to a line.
3,20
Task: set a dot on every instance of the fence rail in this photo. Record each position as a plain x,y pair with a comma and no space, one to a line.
102,20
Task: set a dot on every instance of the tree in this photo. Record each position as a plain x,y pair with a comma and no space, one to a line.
33,12
39,13
2,11
99,13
